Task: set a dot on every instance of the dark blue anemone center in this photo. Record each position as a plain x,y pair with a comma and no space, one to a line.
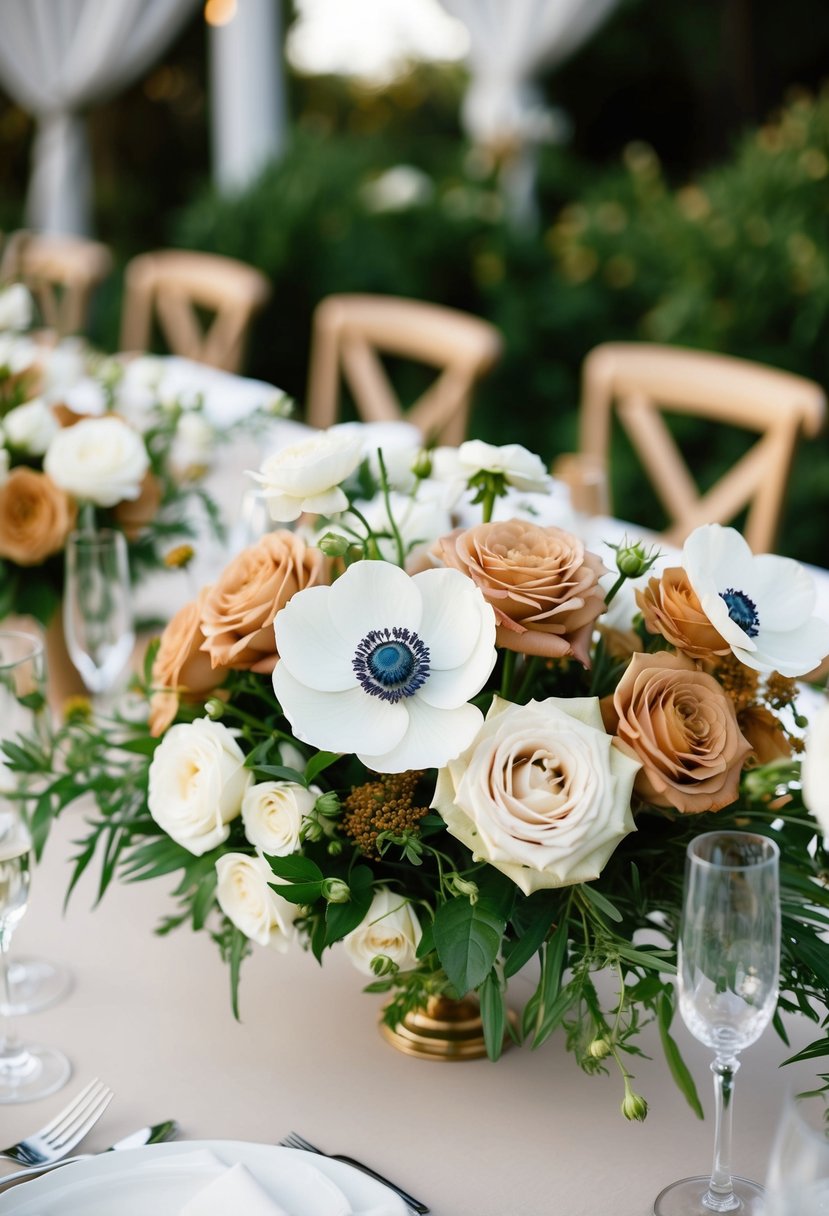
742,610
391,663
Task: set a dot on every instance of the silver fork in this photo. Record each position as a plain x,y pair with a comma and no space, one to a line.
66,1130
294,1140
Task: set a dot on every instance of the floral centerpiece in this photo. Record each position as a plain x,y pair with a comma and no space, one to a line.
432,750
73,453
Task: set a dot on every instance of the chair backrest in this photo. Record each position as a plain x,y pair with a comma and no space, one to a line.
641,380
61,273
350,330
172,284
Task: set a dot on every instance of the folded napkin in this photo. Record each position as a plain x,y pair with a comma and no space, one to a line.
236,1190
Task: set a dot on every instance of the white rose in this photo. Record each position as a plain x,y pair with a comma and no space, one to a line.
197,783
5,461
193,444
16,353
390,928
520,468
541,794
87,397
63,365
307,476
16,307
31,427
246,898
814,770
272,813
100,460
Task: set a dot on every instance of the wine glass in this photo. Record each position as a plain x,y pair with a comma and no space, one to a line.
797,1183
728,966
26,1072
97,609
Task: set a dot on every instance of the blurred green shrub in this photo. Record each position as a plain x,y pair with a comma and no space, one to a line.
737,262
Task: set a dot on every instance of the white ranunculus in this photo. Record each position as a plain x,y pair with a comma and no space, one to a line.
17,308
100,460
520,468
87,397
384,664
815,769
272,813
63,366
17,353
197,783
390,928
193,444
31,427
306,476
5,461
761,605
542,794
247,899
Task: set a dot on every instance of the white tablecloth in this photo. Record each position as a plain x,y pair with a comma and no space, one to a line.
528,1135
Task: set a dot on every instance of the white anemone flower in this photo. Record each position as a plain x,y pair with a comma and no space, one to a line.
520,468
761,605
383,664
306,476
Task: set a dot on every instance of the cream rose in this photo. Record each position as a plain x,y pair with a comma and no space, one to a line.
238,614
31,427
542,583
197,783
99,460
307,476
180,668
815,769
247,899
683,728
518,466
35,517
390,928
17,307
542,794
272,813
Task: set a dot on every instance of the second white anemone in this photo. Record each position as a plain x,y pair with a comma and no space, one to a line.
384,665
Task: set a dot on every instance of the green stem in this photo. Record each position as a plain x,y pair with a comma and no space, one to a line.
372,548
506,673
487,505
612,592
530,669
395,531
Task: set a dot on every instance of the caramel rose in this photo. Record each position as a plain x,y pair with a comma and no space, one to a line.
134,516
542,583
683,728
238,615
181,668
670,607
35,517
768,740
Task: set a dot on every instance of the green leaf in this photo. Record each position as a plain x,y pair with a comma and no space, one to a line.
467,938
340,919
814,1051
298,892
544,907
553,1002
204,898
279,771
40,823
319,763
493,1014
652,959
295,868
601,902
499,891
427,939
678,1067
138,747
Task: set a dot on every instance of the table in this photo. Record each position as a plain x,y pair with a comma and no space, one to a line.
527,1136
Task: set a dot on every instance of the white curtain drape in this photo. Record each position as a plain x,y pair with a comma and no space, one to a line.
510,42
58,57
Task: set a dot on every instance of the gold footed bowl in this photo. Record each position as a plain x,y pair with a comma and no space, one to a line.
443,1029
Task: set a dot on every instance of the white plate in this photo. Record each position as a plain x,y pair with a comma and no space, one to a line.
137,1181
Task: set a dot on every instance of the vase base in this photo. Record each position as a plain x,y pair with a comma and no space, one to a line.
443,1030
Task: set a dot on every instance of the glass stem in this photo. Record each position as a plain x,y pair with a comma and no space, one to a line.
720,1195
10,1049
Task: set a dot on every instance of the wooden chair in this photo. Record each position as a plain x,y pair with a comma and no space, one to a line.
173,284
60,271
349,330
640,380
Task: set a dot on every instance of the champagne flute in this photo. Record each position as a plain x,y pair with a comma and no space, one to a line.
729,959
97,609
26,1072
797,1183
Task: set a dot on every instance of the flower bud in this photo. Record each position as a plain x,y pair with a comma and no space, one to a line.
180,557
214,707
634,1106
333,545
462,886
381,965
422,465
634,560
334,847
335,891
77,709
327,804
598,1049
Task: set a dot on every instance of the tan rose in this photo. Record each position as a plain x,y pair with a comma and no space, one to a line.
765,734
35,517
671,608
238,614
181,669
134,516
542,583
65,416
683,729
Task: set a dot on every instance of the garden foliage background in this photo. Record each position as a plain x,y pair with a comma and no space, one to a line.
691,206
